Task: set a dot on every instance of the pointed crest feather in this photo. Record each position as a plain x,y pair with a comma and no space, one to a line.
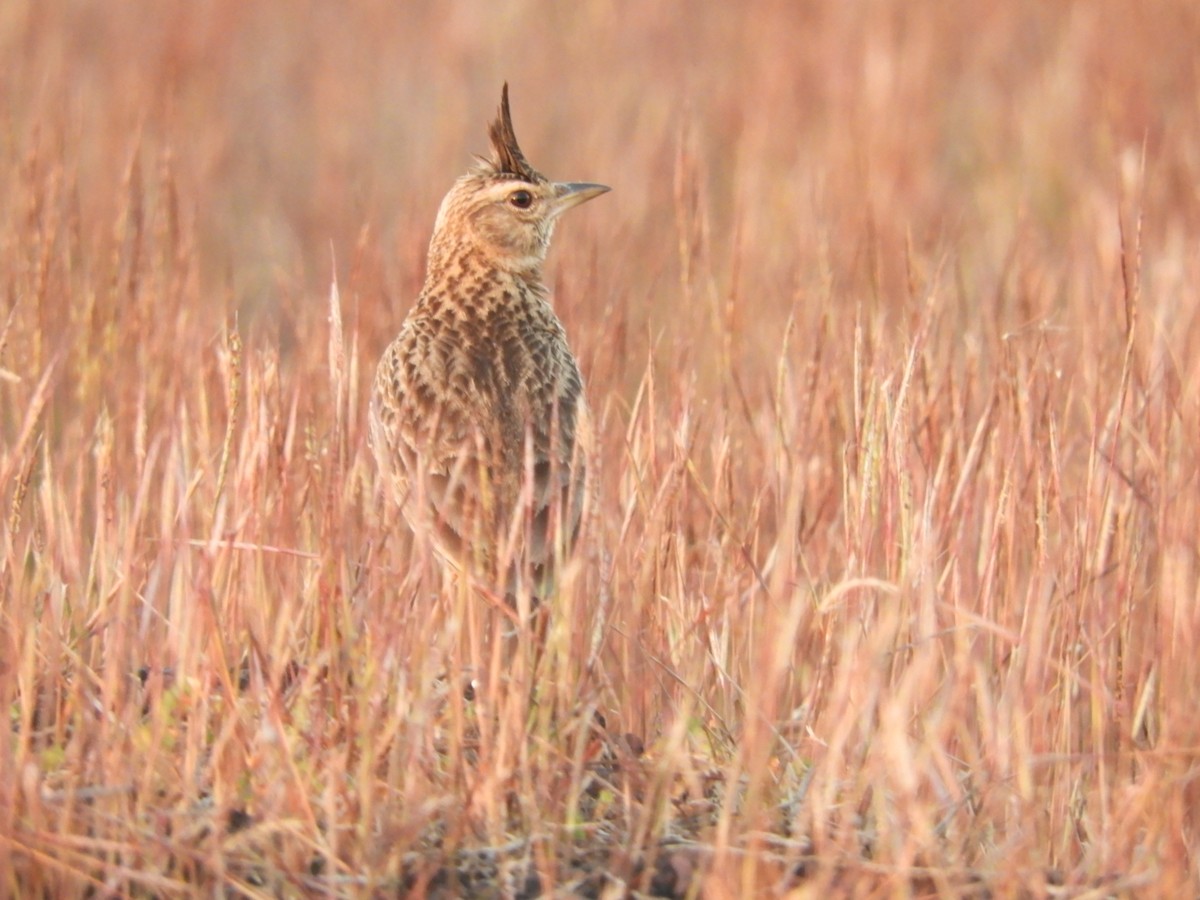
507,158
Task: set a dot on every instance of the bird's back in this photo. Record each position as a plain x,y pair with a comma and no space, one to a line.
477,411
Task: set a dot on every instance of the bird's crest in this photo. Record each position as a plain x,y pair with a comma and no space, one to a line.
507,158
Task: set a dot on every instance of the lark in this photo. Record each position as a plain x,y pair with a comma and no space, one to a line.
478,417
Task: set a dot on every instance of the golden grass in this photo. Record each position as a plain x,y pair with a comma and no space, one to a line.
890,324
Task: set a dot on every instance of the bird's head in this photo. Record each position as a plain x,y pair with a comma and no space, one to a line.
505,208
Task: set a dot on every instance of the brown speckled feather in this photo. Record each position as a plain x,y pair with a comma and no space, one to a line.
478,416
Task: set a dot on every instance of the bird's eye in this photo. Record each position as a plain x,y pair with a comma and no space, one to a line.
521,199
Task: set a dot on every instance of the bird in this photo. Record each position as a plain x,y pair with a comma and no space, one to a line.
479,421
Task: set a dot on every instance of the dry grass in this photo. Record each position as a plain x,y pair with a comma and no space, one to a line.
891,329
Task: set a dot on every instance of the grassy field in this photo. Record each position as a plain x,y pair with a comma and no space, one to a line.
890,329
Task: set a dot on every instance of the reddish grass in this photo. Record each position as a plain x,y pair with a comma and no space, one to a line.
890,325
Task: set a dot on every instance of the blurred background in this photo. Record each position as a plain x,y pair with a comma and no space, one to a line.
793,145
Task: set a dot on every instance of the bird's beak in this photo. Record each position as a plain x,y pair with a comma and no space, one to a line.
573,193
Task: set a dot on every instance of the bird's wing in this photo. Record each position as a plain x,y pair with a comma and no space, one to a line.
561,438
427,447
